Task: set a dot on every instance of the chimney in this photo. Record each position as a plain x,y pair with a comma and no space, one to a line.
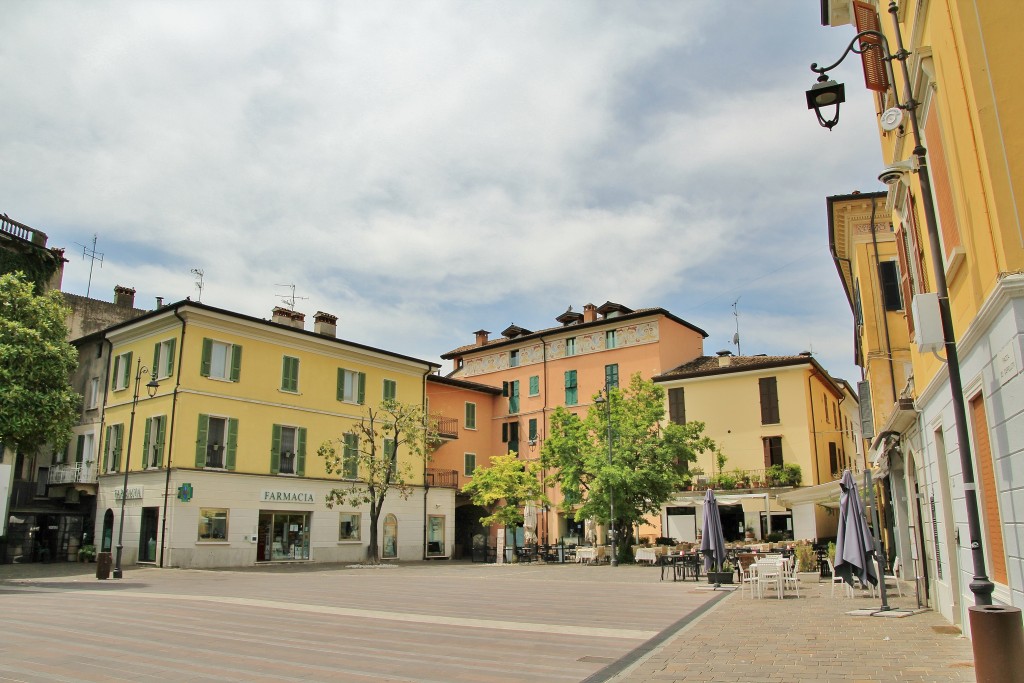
281,316
325,324
724,358
481,337
124,296
589,313
298,320
159,302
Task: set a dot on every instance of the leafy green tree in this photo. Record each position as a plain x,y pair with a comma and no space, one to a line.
372,459
647,459
37,403
504,487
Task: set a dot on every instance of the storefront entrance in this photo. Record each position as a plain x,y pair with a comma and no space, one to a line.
283,536
147,538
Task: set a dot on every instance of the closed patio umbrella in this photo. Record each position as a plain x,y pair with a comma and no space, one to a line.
712,543
855,549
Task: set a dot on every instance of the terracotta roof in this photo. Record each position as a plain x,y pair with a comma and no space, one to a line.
709,365
561,329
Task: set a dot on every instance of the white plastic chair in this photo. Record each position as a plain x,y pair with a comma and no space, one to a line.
789,576
837,579
769,573
893,578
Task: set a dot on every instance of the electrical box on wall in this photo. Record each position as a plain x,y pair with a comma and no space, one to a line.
927,322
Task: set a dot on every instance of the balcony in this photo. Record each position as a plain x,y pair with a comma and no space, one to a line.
77,473
21,231
447,427
446,479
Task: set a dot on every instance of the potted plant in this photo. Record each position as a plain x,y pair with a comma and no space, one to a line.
87,553
805,561
791,474
749,535
723,576
774,475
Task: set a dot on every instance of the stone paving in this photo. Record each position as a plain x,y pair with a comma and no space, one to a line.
428,622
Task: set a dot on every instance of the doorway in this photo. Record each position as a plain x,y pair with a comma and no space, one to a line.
147,537
282,536
108,531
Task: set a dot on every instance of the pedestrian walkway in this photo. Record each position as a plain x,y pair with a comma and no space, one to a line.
810,638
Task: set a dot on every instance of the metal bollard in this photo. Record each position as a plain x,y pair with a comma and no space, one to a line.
997,636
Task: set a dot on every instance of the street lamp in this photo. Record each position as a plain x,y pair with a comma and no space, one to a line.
605,397
819,96
151,388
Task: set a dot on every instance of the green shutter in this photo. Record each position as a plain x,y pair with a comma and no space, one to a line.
300,452
154,369
290,374
229,463
341,384
113,373
127,368
236,362
391,452
470,416
204,366
145,441
390,390
80,448
533,429
201,435
362,388
161,435
118,434
106,447
534,385
170,356
275,449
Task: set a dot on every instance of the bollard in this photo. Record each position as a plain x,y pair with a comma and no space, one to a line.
997,636
103,564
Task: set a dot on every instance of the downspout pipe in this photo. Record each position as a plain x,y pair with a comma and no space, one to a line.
426,458
170,438
103,421
885,313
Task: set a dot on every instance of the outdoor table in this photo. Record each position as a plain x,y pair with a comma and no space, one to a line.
586,555
646,555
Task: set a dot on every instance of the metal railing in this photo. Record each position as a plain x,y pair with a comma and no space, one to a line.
447,427
78,473
447,479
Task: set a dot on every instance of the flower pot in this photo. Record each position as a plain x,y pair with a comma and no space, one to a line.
720,577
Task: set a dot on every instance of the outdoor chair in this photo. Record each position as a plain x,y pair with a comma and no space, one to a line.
836,579
748,572
789,576
890,578
769,573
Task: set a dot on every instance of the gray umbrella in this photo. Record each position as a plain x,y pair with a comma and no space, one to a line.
712,542
855,549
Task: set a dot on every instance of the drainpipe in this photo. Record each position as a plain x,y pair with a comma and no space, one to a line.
103,421
540,433
426,457
170,439
885,313
814,427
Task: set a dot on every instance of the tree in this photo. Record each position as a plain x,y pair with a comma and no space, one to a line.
369,453
647,459
507,484
37,403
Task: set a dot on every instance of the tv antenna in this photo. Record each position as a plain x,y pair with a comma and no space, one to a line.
94,256
289,299
198,272
736,337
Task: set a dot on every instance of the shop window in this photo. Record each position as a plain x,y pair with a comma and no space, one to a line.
350,528
390,549
213,524
435,535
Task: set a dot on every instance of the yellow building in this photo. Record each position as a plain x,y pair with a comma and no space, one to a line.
767,414
963,228
222,465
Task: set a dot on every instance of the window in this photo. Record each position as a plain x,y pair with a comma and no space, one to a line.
889,280
535,385
290,374
349,528
772,450
92,399
435,535
163,358
391,453
532,429
570,346
390,390
216,442
153,441
824,403
350,457
288,450
112,453
213,524
83,448
610,341
513,358
611,375
122,371
470,415
469,461
833,460
677,406
221,360
769,400
351,386
571,388
510,436
511,389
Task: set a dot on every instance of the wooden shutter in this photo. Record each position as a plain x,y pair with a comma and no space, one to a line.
202,433
275,449
769,400
80,448
341,384
988,492
361,399
146,442
204,365
300,451
767,451
172,343
677,405
114,371
118,436
127,369
534,385
236,362
533,429
161,439
941,186
470,416
229,463
875,75
106,448
154,369
504,432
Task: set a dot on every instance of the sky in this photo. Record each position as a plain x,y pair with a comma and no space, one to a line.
424,170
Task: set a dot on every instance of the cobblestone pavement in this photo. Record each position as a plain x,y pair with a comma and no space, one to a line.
449,622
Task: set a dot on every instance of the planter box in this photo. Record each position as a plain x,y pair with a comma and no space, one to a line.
720,577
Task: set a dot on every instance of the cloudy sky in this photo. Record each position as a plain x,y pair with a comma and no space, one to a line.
425,169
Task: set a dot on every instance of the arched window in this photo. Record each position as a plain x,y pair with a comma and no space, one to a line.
390,537
108,531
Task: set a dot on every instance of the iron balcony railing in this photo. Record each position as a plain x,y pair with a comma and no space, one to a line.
447,427
447,479
77,473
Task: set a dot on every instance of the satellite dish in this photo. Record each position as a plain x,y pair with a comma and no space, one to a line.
891,118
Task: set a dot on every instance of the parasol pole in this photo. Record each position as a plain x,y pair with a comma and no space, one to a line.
876,537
